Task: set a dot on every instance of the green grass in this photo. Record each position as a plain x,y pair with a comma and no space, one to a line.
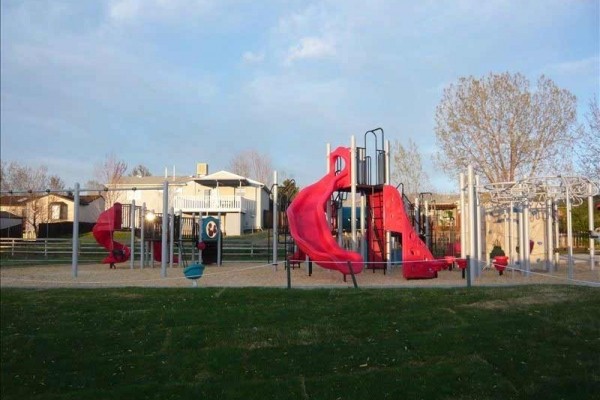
480,343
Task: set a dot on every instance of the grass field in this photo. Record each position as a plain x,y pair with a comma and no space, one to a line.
499,343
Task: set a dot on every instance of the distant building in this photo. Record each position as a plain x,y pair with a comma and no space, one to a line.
33,211
241,202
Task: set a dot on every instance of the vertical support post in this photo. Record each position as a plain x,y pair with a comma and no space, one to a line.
363,237
165,230
463,217
75,255
132,228
591,226
417,216
506,233
569,234
426,223
388,234
353,191
472,223
556,234
180,239
328,169
521,240
511,233
142,238
478,211
352,273
469,278
275,218
219,241
549,238
171,235
526,252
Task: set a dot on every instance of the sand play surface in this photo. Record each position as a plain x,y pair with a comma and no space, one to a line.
266,275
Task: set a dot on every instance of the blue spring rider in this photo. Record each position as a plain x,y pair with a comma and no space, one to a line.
194,272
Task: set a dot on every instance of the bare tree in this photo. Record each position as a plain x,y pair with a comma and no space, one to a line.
109,173
254,165
504,129
140,170
21,178
408,168
588,153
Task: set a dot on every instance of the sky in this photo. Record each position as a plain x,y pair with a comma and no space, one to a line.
170,83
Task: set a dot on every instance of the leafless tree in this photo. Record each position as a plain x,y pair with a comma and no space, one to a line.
254,165
589,146
140,170
504,129
407,168
109,173
22,178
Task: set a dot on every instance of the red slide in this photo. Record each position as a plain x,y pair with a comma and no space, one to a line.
109,221
417,260
157,248
308,223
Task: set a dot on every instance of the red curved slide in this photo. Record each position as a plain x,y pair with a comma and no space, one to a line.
109,221
308,223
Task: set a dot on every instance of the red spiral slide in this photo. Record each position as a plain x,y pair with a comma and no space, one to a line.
308,223
109,221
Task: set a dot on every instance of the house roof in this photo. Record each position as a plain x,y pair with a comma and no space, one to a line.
9,215
20,200
151,180
226,178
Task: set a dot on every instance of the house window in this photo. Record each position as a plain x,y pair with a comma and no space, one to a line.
58,211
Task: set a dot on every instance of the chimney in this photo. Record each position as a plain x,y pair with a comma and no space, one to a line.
201,169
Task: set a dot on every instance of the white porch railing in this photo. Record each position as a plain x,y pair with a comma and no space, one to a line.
213,203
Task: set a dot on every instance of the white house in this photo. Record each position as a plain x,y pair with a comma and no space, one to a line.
240,201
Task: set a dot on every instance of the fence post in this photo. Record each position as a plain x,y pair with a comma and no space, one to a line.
352,273
468,268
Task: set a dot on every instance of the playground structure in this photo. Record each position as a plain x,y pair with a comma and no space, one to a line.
108,222
373,224
316,214
391,225
146,225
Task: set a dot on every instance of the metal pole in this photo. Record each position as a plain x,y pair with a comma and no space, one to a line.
275,217
352,273
506,233
520,254
417,217
219,240
556,234
549,238
472,223
388,234
75,256
469,278
591,226
165,230
363,238
569,234
426,220
463,226
327,168
132,228
142,238
180,239
171,235
353,191
526,239
479,245
511,233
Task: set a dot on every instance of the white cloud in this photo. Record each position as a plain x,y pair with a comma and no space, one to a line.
310,47
582,66
250,57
